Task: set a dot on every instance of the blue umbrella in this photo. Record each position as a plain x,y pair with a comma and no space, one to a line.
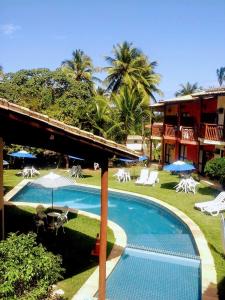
179,166
74,157
22,154
141,158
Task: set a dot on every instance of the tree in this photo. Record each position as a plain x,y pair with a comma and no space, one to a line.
132,109
187,89
103,119
130,66
221,75
80,67
1,72
27,270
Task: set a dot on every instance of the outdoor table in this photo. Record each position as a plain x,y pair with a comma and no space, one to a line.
52,215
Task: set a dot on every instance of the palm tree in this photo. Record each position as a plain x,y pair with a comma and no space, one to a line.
132,107
130,66
80,67
221,75
187,89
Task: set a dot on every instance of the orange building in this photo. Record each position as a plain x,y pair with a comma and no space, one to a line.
192,127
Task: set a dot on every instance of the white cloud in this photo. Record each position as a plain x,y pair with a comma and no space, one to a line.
9,29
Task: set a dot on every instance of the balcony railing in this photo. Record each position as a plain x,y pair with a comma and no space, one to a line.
157,130
189,133
212,132
170,131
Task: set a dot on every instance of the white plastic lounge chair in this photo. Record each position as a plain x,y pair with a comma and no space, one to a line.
223,232
143,177
153,178
201,205
215,209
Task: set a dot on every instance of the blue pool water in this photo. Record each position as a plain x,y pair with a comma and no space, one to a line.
141,274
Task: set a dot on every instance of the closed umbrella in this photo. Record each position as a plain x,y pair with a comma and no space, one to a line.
53,181
179,166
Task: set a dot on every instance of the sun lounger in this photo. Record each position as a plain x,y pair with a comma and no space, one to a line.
215,209
143,177
153,178
218,199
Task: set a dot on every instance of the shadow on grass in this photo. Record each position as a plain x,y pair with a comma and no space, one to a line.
7,188
168,185
74,247
207,190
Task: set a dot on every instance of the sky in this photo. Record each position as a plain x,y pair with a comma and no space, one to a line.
185,37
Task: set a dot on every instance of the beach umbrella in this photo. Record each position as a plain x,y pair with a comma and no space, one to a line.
53,181
179,166
22,154
75,157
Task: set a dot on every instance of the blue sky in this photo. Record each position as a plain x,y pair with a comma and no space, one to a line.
185,37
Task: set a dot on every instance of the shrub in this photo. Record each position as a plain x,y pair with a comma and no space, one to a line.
27,270
215,168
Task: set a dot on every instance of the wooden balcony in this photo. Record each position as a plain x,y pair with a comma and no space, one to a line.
171,132
212,132
157,130
188,135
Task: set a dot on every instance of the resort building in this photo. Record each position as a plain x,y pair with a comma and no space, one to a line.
192,127
137,143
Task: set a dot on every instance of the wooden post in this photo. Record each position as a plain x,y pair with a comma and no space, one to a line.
103,230
1,191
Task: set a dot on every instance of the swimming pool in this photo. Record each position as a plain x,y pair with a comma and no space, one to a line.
152,232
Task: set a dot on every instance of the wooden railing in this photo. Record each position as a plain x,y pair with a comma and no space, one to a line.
157,130
189,133
212,132
170,130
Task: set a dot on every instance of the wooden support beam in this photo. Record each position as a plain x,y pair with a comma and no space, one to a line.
1,191
103,230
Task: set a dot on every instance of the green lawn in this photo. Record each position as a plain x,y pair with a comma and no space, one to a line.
165,192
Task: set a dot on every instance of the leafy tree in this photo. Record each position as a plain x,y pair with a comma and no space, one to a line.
130,66
221,75
215,168
27,270
1,72
187,89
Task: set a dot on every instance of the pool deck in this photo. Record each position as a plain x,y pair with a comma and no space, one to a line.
209,280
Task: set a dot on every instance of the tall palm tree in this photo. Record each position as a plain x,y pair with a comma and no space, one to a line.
187,89
221,75
80,67
130,66
132,107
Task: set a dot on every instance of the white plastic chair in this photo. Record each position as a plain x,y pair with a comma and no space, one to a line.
153,178
120,175
218,199
143,177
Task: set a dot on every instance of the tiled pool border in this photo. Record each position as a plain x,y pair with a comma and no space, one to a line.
209,281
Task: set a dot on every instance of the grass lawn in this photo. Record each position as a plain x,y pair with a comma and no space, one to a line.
165,192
